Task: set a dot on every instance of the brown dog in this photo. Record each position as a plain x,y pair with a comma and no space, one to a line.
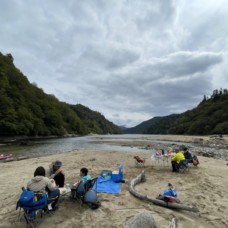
138,159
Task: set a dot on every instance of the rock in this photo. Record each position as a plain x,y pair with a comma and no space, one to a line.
209,154
142,220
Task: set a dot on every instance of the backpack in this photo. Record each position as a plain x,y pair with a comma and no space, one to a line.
30,202
195,160
86,193
90,198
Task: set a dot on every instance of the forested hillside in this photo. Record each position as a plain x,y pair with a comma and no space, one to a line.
94,120
162,125
26,110
209,117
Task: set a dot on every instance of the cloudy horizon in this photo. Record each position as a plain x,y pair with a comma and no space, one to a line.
129,60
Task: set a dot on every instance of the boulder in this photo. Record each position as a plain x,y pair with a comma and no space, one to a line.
142,220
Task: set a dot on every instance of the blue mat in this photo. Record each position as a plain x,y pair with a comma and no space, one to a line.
105,186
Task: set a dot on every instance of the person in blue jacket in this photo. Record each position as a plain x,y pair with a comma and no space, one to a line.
169,195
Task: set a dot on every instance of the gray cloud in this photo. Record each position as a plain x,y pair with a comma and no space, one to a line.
129,60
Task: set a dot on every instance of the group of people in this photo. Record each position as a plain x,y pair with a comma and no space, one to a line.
181,155
53,183
56,179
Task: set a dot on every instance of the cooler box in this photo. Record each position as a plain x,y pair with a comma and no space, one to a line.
117,175
106,174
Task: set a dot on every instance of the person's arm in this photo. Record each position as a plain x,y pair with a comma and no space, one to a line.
51,184
52,175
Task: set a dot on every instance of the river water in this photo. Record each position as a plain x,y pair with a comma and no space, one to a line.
46,147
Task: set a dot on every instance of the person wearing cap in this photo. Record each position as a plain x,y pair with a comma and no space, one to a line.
56,173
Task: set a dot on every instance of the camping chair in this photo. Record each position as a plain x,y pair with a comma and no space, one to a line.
85,193
183,166
34,205
166,160
157,159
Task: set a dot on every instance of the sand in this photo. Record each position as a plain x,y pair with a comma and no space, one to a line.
204,187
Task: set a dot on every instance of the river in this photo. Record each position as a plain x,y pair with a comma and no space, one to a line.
37,148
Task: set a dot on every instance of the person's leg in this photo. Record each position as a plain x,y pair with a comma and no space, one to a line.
174,166
53,197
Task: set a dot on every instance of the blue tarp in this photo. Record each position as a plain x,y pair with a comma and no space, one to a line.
102,185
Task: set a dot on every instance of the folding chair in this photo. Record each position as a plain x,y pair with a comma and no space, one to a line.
183,166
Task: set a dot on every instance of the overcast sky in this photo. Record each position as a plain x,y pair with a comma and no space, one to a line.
130,60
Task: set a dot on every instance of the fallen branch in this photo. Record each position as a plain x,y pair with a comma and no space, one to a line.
173,223
141,178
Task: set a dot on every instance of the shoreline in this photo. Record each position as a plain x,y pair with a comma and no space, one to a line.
206,146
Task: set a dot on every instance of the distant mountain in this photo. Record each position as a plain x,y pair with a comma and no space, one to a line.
26,110
209,117
122,127
162,124
156,125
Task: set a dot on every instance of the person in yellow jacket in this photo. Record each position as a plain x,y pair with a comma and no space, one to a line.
176,159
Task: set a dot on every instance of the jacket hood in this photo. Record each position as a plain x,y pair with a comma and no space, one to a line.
37,178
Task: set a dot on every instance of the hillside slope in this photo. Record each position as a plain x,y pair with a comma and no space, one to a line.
209,117
27,110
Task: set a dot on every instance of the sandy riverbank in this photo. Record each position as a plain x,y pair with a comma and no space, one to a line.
205,187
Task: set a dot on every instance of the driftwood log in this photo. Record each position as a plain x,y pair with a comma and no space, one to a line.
141,178
22,158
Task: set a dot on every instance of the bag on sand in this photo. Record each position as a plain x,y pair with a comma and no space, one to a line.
195,160
86,193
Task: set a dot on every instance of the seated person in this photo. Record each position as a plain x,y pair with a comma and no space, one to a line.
84,174
56,173
78,189
40,183
188,155
84,177
176,159
169,195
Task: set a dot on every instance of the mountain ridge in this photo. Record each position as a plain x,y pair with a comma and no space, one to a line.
209,117
28,110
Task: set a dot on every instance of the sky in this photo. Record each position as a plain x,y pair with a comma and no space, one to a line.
130,60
